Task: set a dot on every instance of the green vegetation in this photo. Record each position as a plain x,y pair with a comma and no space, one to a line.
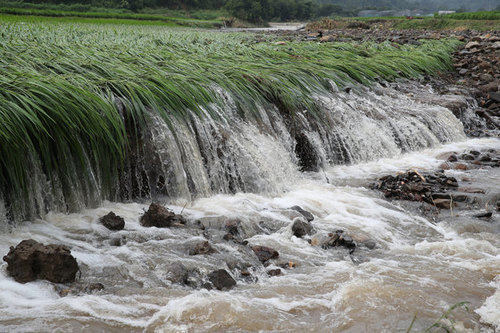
446,322
71,94
444,22
491,15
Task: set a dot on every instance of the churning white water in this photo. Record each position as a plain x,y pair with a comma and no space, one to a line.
417,268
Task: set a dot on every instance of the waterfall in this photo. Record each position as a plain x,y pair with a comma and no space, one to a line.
184,159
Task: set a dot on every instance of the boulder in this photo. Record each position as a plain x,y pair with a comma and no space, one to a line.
309,217
274,272
221,279
161,217
31,260
177,273
264,253
112,221
300,228
203,247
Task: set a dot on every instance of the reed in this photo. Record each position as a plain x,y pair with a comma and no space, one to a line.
61,86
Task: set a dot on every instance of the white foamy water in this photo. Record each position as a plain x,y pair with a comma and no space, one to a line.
417,267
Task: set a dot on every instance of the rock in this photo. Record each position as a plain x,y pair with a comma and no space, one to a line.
300,228
371,244
494,96
93,287
472,44
339,239
328,38
496,45
161,217
232,227
265,253
177,273
274,272
485,78
452,158
442,203
460,166
201,248
31,260
112,221
467,157
221,279
485,215
463,71
304,213
471,190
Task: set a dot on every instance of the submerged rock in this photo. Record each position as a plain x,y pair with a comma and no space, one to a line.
178,273
274,272
265,253
161,217
31,260
309,217
112,221
221,279
203,247
300,228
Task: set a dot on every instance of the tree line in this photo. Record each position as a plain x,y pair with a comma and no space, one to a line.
259,11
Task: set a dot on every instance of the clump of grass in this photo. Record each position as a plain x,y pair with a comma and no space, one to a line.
446,322
60,85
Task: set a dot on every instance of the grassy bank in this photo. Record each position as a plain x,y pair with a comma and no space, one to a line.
475,21
61,86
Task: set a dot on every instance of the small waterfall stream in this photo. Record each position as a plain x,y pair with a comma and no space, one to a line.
252,168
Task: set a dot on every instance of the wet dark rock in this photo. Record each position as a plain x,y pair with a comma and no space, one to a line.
370,244
112,221
274,272
443,203
339,238
300,228
221,279
117,241
485,215
161,217
308,159
203,247
232,227
304,213
265,253
31,260
452,158
467,157
495,96
178,273
93,287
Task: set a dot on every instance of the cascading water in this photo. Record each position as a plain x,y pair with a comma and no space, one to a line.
246,168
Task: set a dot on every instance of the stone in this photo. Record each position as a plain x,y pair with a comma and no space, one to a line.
265,253
31,260
494,96
274,272
93,287
472,44
203,247
486,78
463,71
221,279
485,215
161,217
452,158
300,228
177,273
309,217
496,45
460,166
442,203
370,244
112,221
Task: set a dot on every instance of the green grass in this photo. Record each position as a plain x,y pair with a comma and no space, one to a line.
60,84
490,15
109,16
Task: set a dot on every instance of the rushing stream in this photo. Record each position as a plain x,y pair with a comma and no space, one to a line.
417,268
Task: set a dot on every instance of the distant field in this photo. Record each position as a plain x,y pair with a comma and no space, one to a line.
113,16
